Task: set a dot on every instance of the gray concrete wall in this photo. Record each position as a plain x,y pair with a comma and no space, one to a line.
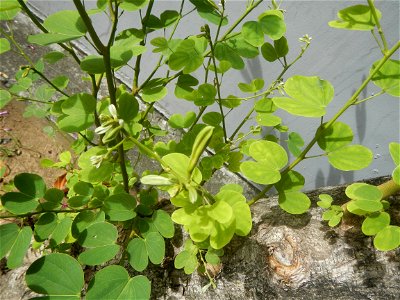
342,57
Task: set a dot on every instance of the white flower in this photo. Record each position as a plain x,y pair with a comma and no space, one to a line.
113,111
103,129
96,160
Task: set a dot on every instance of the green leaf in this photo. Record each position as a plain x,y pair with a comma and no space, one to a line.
309,96
9,9
290,182
243,48
368,205
137,254
209,11
180,121
179,163
221,212
388,238
83,188
212,258
155,246
153,94
224,52
394,149
113,282
45,226
186,260
281,47
45,39
98,234
335,137
19,248
93,64
222,233
388,77
364,192
128,107
295,143
61,82
254,86
212,118
30,184
4,45
352,157
162,221
169,17
19,203
294,202
188,56
84,219
375,223
5,97
206,95
270,153
335,220
268,52
98,255
8,235
273,25
260,172
78,113
132,5
396,175
253,33
53,56
325,202
120,207
55,274
357,17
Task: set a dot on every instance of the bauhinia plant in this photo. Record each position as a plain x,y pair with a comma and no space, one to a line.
106,210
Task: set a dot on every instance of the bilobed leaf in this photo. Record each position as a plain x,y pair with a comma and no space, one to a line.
335,137
162,221
394,149
133,5
120,207
352,157
368,205
273,25
281,47
294,202
375,223
221,211
222,233
98,255
5,97
209,11
153,94
325,201
78,113
9,9
186,260
268,52
252,87
169,17
388,238
84,219
212,118
270,153
309,96
290,182
55,274
19,248
260,172
4,45
365,192
253,33
357,17
61,231
188,56
61,82
224,52
98,234
388,77
181,121
128,107
114,282
295,143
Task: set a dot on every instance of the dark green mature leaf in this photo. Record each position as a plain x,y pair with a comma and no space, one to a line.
243,48
153,94
309,96
98,255
120,207
163,223
113,282
155,246
268,52
8,235
45,226
388,238
357,17
137,254
128,107
352,157
78,113
290,182
224,52
19,248
98,234
19,203
55,274
30,184
281,47
84,219
388,77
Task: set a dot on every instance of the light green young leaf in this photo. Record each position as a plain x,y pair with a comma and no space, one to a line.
290,182
325,201
375,223
273,25
9,9
188,56
154,94
4,45
394,149
133,5
181,121
335,137
388,238
209,11
294,202
5,97
309,96
357,17
352,157
388,77
253,33
295,143
224,52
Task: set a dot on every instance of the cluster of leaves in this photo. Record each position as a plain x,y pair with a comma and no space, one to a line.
97,211
367,201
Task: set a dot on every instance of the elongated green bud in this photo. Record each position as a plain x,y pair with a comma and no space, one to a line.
156,180
111,134
199,145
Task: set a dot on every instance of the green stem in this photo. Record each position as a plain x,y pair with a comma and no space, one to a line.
378,25
369,98
48,81
349,103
